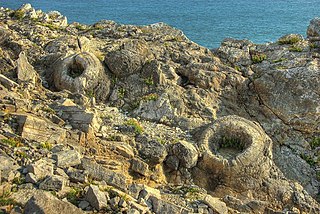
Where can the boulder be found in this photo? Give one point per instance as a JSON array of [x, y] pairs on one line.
[[53, 183], [82, 73], [140, 167], [25, 71], [152, 151], [7, 165], [67, 158], [98, 172], [216, 205], [45, 202], [185, 153], [40, 130], [96, 198], [41, 169], [314, 28], [128, 59]]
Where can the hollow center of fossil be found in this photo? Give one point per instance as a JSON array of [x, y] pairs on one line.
[[75, 69], [230, 147]]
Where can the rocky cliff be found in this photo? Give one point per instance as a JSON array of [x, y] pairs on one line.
[[116, 118]]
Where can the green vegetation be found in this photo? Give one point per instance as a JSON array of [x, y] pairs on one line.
[[151, 97], [48, 110], [80, 27], [281, 67], [90, 93], [135, 124], [312, 45], [5, 200], [12, 142], [149, 81], [46, 145], [295, 48], [19, 180], [237, 68], [279, 60], [18, 14], [315, 142], [74, 195], [227, 142], [50, 26], [21, 154], [308, 159], [290, 40], [121, 93], [257, 58]]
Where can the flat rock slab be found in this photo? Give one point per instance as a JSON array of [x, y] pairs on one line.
[[67, 158], [98, 172], [36, 129], [46, 203]]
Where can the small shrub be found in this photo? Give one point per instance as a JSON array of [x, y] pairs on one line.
[[12, 142], [257, 58], [290, 40], [6, 201], [227, 142], [237, 68], [48, 110], [46, 145], [151, 97], [312, 45], [121, 93], [315, 142], [279, 60], [308, 159], [74, 195], [18, 14], [149, 81], [295, 48], [135, 124], [90, 93], [19, 180]]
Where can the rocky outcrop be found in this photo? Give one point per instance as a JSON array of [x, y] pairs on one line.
[[82, 73], [139, 119], [237, 152]]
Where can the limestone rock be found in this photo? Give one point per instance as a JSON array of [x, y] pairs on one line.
[[98, 172], [8, 83], [76, 175], [31, 178], [39, 204], [33, 128], [25, 71], [314, 28], [139, 167], [216, 205], [152, 151], [82, 73], [7, 165], [53, 183], [41, 169], [129, 59], [67, 158], [96, 198], [79, 117], [185, 152], [234, 149]]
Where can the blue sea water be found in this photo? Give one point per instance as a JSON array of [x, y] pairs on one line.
[[206, 22]]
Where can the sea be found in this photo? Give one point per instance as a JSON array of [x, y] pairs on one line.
[[206, 22]]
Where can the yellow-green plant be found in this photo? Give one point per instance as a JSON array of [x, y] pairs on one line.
[[135, 124]]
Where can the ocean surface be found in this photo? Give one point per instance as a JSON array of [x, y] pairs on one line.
[[206, 22]]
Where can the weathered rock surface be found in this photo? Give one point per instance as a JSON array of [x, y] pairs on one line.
[[96, 198], [162, 124], [82, 73], [39, 204], [67, 158]]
